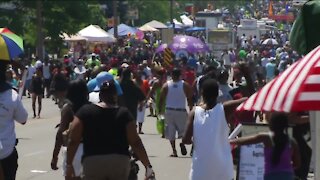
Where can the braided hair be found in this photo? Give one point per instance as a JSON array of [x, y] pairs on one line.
[[279, 126]]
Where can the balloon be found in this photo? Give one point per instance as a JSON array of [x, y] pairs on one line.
[[139, 35]]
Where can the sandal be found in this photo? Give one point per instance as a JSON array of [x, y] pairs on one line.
[[183, 149]]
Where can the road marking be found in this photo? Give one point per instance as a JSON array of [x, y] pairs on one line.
[[34, 153], [38, 171]]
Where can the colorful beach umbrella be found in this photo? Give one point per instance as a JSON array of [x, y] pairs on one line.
[[188, 43], [11, 45]]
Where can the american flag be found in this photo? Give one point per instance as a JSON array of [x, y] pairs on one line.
[[296, 89]]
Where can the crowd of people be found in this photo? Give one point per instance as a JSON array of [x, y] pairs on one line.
[[194, 98], [92, 89]]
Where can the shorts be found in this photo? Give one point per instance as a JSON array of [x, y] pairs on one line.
[[279, 176], [76, 161], [140, 114], [112, 166], [10, 165], [175, 121]]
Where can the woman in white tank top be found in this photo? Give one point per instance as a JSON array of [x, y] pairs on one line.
[[208, 130]]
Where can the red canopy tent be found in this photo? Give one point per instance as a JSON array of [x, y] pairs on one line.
[[296, 89]]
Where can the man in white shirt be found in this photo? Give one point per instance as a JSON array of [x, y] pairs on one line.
[[80, 70], [11, 110], [31, 70], [226, 60], [146, 70], [46, 69], [254, 41], [174, 94]]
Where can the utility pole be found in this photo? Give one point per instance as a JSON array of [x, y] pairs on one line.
[[40, 44], [171, 14], [115, 18]]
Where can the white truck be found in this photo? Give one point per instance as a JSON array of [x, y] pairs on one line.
[[221, 39]]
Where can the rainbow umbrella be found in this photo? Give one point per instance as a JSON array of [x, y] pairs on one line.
[[11, 45]]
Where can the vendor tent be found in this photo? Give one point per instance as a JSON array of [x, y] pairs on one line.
[[176, 22], [156, 24], [176, 26], [123, 30], [147, 28], [94, 33], [75, 37], [186, 21]]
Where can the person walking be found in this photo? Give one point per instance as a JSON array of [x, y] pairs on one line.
[[76, 97], [154, 94], [46, 69], [37, 90], [145, 88], [30, 72], [11, 110], [208, 131], [59, 84], [174, 93], [281, 153], [106, 140], [132, 94]]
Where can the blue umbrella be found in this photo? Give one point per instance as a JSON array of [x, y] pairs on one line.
[[123, 30], [195, 29]]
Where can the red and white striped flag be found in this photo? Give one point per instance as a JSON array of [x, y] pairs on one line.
[[296, 89]]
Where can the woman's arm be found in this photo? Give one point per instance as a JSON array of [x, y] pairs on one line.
[[230, 107], [187, 138], [136, 143], [75, 137], [66, 119], [255, 139], [152, 90], [296, 159]]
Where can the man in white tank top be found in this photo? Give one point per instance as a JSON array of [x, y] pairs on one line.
[[175, 93]]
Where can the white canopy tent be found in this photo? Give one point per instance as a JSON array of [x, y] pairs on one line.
[[156, 24], [94, 33], [147, 28], [75, 37], [176, 22], [186, 21]]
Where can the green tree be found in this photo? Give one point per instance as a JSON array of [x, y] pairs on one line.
[[58, 17]]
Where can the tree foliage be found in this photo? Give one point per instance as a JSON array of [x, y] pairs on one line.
[[57, 16]]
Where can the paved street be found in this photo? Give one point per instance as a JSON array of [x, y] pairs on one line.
[[36, 140]]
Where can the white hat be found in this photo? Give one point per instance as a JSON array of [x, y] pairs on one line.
[[124, 65]]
